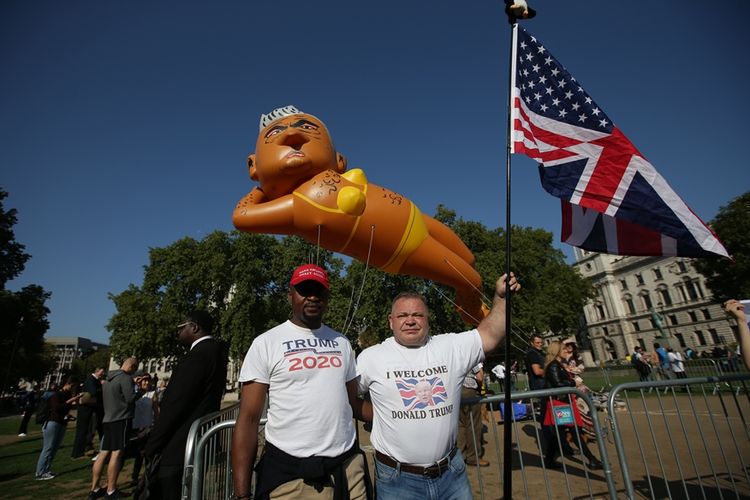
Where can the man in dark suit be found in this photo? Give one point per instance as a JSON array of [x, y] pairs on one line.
[[195, 389], [88, 417]]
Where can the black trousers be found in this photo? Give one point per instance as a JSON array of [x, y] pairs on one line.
[[83, 424], [169, 482]]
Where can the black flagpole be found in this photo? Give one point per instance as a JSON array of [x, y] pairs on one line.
[[507, 405], [514, 10]]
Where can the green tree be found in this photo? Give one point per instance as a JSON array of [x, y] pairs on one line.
[[23, 314], [730, 280]]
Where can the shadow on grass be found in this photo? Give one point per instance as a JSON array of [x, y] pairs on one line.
[[10, 477]]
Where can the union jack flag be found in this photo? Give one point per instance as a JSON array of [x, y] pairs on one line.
[[421, 393], [613, 200]]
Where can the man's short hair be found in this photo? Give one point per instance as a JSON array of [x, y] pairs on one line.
[[202, 319], [535, 336], [409, 295]]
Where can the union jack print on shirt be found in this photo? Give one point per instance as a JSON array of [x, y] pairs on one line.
[[421, 393], [614, 201]]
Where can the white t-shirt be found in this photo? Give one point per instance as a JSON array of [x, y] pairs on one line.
[[144, 411], [416, 394], [499, 371], [675, 359], [306, 370]]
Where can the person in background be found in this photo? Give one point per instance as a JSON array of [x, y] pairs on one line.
[[30, 402], [469, 421], [195, 389], [675, 361], [86, 418], [146, 410], [53, 430], [735, 309], [556, 376], [119, 404]]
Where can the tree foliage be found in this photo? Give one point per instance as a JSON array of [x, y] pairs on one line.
[[23, 314], [730, 280]]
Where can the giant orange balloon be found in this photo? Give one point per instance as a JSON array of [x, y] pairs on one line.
[[305, 190]]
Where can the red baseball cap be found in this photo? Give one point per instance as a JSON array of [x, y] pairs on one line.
[[309, 272]]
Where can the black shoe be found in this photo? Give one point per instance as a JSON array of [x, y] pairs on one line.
[[94, 494], [115, 495]]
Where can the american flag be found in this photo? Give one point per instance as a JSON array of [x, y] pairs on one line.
[[433, 387], [613, 200]]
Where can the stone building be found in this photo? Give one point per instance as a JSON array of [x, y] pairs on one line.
[[67, 349], [642, 300]]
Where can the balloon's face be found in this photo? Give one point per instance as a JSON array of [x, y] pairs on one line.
[[290, 151]]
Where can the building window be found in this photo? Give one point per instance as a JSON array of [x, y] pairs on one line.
[[641, 343], [647, 300], [693, 290], [682, 267], [706, 314], [624, 284], [664, 296], [699, 336], [636, 326], [680, 339], [672, 319], [605, 331], [600, 311], [693, 316], [681, 289], [657, 273], [631, 306], [639, 279], [715, 338]]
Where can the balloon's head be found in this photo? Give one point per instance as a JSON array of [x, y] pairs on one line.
[[292, 148]]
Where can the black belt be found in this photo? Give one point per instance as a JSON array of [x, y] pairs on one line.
[[435, 470]]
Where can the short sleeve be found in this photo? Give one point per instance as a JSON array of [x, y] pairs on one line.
[[255, 366], [363, 382]]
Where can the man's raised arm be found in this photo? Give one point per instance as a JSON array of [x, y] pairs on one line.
[[492, 327]]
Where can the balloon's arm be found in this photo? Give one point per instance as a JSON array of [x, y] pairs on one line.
[[255, 214]]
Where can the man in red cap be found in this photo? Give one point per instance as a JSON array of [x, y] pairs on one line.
[[308, 371]]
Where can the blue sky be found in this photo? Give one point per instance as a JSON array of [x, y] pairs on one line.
[[126, 125]]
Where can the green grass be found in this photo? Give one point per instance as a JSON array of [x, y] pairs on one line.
[[18, 457]]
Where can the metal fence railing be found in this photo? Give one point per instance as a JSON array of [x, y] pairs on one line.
[[688, 440], [207, 456], [676, 438]]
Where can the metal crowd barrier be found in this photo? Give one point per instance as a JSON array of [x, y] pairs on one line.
[[207, 455], [532, 478], [676, 438], [688, 441]]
